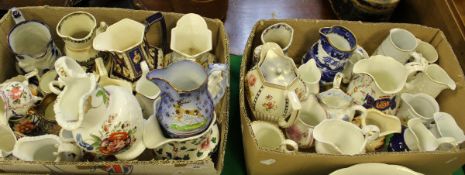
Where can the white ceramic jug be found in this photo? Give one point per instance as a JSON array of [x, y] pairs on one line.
[[46, 148], [419, 138], [334, 136], [432, 81], [419, 105], [378, 81], [310, 75]]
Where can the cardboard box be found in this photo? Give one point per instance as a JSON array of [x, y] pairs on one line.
[[369, 36], [51, 16]]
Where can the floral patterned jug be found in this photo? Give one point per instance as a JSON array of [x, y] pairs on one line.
[[274, 87]]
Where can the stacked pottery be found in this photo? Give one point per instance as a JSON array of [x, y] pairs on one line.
[[79, 106], [385, 102]]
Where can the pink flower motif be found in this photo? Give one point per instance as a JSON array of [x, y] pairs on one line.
[[205, 144], [251, 80], [294, 133], [16, 93]]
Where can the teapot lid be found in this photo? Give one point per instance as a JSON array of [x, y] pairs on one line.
[[278, 69]]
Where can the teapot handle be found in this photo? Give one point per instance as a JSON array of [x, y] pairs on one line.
[[217, 85], [295, 105], [158, 17]]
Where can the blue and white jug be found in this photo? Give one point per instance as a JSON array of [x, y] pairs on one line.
[[332, 51], [188, 96]]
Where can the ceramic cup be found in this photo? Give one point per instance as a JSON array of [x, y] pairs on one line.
[[269, 136], [419, 105], [310, 75], [32, 44], [419, 138], [311, 115], [334, 136], [399, 44], [45, 148]]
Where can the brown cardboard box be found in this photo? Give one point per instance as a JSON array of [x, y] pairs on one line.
[[51, 16], [369, 36]]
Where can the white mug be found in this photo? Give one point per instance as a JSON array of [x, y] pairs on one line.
[[270, 136], [32, 44], [399, 44]]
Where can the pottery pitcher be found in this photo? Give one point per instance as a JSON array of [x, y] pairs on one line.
[[186, 104]]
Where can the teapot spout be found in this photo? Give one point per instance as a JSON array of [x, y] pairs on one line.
[[218, 81]]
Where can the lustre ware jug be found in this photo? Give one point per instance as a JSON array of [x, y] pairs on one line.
[[187, 102]]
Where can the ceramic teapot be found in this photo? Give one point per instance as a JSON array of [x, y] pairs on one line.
[[187, 103], [274, 87], [338, 104], [378, 81], [126, 42]]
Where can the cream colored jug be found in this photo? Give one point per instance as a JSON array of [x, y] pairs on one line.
[[378, 81], [432, 81]]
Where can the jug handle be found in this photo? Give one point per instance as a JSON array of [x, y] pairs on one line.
[[371, 133], [295, 106], [100, 67], [447, 144], [157, 17], [337, 80], [222, 83], [53, 86], [289, 146], [17, 15]]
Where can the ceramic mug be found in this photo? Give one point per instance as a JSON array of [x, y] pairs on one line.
[[269, 136], [32, 44], [46, 148], [399, 44], [419, 105], [310, 116]]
